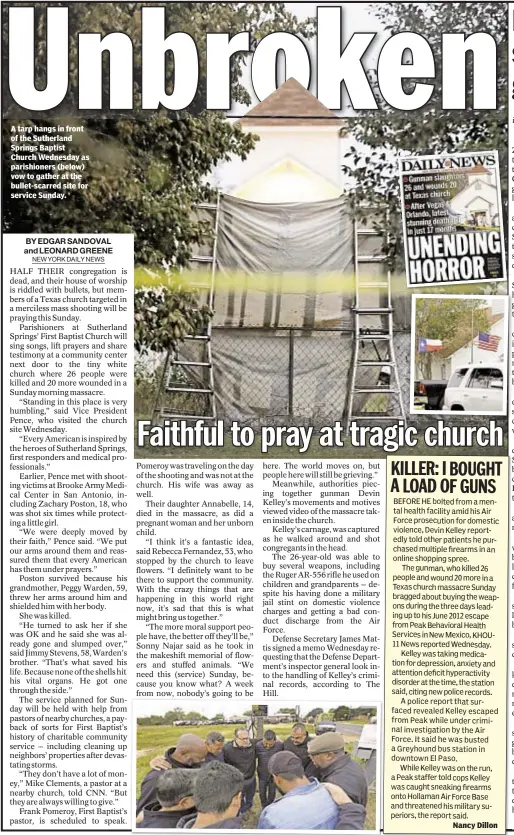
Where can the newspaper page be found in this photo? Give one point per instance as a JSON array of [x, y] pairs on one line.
[[452, 233], [256, 417]]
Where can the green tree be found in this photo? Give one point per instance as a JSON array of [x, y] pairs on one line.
[[373, 166], [361, 711], [195, 716], [146, 171], [454, 321], [150, 720], [313, 714], [341, 713], [172, 716], [165, 315]]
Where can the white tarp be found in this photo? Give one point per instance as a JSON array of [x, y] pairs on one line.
[[289, 264]]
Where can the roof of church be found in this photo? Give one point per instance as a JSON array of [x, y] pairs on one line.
[[478, 169], [291, 103]]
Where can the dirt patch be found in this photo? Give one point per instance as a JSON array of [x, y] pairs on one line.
[[144, 752]]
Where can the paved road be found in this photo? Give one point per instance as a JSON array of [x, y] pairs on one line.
[[349, 728]]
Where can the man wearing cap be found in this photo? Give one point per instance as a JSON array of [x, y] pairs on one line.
[[306, 804], [333, 765]]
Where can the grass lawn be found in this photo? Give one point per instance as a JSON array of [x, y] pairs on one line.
[[156, 739]]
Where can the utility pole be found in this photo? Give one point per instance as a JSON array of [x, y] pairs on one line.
[[259, 727], [259, 712]]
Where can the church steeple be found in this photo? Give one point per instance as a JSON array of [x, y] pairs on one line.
[[291, 103]]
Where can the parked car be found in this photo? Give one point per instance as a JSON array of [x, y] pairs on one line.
[[475, 388], [325, 727], [429, 393]]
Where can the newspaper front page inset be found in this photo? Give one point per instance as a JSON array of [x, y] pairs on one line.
[[239, 244], [452, 219]]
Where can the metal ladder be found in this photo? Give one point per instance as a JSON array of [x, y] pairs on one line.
[[174, 363], [388, 383]]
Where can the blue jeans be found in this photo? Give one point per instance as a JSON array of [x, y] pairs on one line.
[[249, 789]]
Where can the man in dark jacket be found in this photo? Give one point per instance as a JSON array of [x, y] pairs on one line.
[[217, 797], [334, 766], [265, 748], [190, 752], [297, 744], [242, 755], [174, 791]]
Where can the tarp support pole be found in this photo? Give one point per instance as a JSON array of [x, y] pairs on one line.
[[290, 386]]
